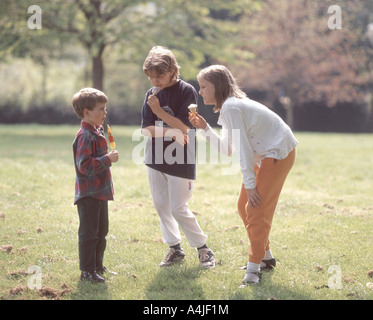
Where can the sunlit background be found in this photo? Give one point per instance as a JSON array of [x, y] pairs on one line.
[[309, 61]]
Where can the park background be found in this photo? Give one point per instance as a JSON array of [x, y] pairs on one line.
[[285, 53], [309, 62]]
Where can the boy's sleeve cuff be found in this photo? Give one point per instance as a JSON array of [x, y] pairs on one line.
[[107, 161]]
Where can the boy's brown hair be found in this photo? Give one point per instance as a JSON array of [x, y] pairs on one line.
[[87, 98], [161, 60]]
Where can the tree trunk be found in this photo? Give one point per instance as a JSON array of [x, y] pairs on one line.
[[44, 83], [98, 69]]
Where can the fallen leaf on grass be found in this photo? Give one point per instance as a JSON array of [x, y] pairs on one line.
[[23, 249], [17, 290], [348, 280], [232, 228], [319, 268], [6, 248], [48, 292], [354, 295], [51, 292], [17, 273], [321, 287]]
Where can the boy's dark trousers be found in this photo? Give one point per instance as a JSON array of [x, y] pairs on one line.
[[93, 228]]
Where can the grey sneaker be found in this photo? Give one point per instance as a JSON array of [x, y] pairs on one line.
[[172, 256], [251, 278], [206, 258]]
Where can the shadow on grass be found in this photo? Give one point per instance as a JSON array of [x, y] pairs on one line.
[[176, 282], [87, 290], [267, 290]]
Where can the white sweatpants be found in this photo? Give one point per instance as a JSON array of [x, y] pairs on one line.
[[170, 197]]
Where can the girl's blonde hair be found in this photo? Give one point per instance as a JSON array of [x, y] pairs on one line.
[[225, 84], [161, 60]]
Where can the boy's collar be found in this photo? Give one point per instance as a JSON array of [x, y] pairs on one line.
[[172, 84], [88, 126]]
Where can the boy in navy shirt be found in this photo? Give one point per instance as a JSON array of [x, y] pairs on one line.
[[170, 155]]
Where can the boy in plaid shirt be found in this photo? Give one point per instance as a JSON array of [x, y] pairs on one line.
[[93, 183]]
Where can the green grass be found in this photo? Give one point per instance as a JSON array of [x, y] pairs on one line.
[[324, 219]]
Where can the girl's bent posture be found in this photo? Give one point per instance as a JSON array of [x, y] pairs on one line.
[[266, 151]]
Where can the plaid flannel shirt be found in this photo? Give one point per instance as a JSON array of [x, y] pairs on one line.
[[92, 164]]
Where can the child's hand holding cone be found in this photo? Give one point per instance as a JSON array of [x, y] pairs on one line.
[[197, 120]]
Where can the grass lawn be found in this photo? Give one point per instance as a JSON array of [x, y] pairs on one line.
[[321, 236]]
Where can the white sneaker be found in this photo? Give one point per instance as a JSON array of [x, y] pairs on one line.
[[206, 258]]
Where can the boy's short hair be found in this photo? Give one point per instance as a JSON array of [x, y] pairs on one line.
[[87, 98], [161, 60]]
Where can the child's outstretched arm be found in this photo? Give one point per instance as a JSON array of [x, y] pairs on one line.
[[222, 143]]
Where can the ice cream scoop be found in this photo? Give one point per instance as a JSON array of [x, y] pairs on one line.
[[193, 108], [155, 90]]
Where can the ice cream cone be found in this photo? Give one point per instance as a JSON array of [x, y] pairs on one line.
[[193, 108]]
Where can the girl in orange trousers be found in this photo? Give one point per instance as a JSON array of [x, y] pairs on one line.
[[266, 150]]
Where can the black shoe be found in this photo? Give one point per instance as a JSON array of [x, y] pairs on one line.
[[94, 277], [103, 270], [268, 264]]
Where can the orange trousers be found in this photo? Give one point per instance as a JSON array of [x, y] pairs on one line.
[[269, 180]]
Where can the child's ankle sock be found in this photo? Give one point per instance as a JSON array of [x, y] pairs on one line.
[[252, 274], [268, 255], [203, 247], [253, 267], [176, 246]]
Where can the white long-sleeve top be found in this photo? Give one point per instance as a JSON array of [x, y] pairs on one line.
[[254, 132]]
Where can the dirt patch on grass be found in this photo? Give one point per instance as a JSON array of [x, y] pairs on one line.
[[44, 292], [49, 292]]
